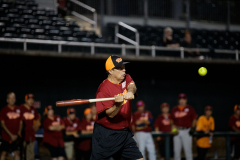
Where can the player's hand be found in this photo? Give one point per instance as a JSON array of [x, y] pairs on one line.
[[35, 127], [75, 134], [128, 96], [119, 98], [158, 138], [13, 137], [206, 132]]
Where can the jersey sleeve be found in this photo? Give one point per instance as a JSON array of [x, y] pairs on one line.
[[3, 115], [46, 124], [231, 122], [193, 114], [129, 80], [157, 122], [61, 121], [135, 118], [36, 114], [101, 106]]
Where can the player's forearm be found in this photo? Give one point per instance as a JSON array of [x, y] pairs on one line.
[[132, 88], [113, 111], [156, 129], [194, 123], [70, 133], [6, 129], [20, 127], [235, 129], [87, 132]]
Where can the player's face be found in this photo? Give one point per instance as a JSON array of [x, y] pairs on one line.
[[11, 99], [165, 110], [93, 110], [188, 38], [88, 116], [237, 112], [208, 113], [50, 112], [119, 72], [141, 108], [182, 102], [72, 116], [30, 101], [168, 33]]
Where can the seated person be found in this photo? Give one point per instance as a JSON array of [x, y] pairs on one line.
[[188, 43], [168, 40]]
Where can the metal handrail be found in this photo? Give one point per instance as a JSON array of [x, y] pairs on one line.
[[94, 21], [118, 35], [123, 47]]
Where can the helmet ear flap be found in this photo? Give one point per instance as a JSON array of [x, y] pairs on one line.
[[235, 107], [68, 111], [46, 110]]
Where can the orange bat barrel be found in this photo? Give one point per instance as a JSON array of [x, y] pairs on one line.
[[72, 102]]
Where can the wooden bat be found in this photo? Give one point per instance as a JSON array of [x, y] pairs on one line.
[[81, 101]]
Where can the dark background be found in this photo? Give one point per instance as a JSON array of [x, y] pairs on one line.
[[53, 79]]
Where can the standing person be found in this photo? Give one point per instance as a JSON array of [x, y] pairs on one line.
[[52, 136], [93, 111], [184, 118], [234, 126], [205, 124], [11, 127], [163, 124], [72, 124], [142, 121], [112, 136], [31, 121], [84, 148]]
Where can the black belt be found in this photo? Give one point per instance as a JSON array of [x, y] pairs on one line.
[[183, 128]]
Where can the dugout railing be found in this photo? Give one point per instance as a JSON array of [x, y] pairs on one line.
[[167, 137], [123, 47]]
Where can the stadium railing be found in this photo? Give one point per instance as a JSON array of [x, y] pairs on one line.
[[81, 16], [118, 35], [123, 47]]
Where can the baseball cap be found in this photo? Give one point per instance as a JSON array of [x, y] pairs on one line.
[[86, 111], [49, 107], [182, 96], [236, 107], [28, 96], [114, 61], [140, 103], [164, 105], [71, 111], [208, 108]]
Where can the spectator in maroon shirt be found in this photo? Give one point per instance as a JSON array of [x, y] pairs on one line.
[[142, 121], [234, 126], [72, 125], [52, 136], [11, 127], [31, 121], [84, 147], [163, 124]]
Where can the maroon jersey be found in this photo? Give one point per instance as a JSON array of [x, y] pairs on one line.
[[163, 123], [108, 89], [183, 116], [234, 122], [11, 118], [71, 126], [28, 117], [54, 138], [85, 145], [139, 116]]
